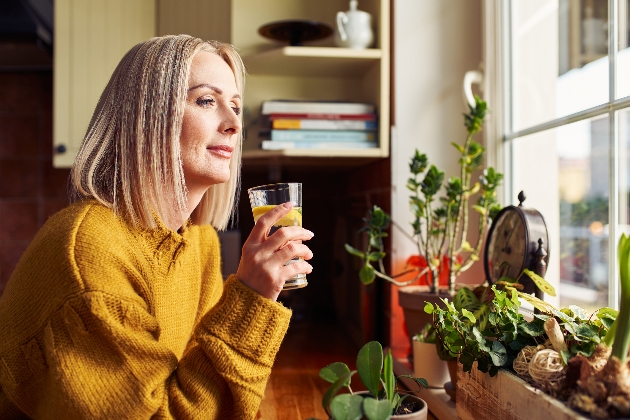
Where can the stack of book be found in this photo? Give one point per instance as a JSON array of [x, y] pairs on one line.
[[318, 125]]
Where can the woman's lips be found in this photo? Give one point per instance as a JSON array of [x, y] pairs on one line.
[[222, 150]]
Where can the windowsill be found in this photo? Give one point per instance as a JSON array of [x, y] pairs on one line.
[[440, 404]]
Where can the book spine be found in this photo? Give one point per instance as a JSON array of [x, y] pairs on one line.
[[307, 124], [283, 145], [322, 135], [271, 107], [303, 116]]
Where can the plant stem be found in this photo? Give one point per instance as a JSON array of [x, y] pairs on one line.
[[463, 200], [398, 283], [622, 336], [470, 260], [462, 212], [429, 252]]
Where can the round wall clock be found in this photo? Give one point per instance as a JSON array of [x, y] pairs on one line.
[[518, 239]]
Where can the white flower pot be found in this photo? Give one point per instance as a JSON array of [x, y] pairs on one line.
[[427, 365]]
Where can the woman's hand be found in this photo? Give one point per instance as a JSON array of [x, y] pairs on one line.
[[262, 261]]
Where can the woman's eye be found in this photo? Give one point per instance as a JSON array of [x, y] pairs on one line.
[[205, 102], [236, 110]]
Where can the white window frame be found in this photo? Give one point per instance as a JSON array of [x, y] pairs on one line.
[[499, 133]]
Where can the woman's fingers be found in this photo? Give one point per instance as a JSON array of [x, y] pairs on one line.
[[267, 220], [290, 251], [294, 268], [288, 234]]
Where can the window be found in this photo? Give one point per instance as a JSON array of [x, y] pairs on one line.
[[563, 87]]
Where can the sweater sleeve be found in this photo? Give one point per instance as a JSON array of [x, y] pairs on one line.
[[99, 357]]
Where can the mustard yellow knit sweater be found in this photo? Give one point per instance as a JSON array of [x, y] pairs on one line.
[[104, 321]]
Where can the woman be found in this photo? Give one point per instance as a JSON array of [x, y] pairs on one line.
[[118, 309]]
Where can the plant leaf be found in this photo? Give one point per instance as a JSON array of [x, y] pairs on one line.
[[370, 365], [346, 407], [475, 188], [388, 377], [538, 304], [334, 388], [375, 256], [465, 298], [458, 147], [377, 410], [532, 329], [469, 315], [540, 282], [334, 371], [420, 381], [578, 312], [354, 251], [607, 313], [465, 246], [366, 274], [479, 209], [498, 354]]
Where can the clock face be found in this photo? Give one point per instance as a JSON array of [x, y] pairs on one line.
[[507, 246]]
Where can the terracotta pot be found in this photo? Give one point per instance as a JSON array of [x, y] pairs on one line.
[[413, 299], [427, 364]]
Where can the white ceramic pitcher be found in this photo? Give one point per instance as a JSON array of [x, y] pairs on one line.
[[354, 28]]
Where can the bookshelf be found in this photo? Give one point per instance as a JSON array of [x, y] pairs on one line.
[[314, 72]]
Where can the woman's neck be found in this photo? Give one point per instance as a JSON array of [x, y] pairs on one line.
[[193, 198]]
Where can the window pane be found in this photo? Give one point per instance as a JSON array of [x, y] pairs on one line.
[[623, 55], [559, 59], [565, 175], [623, 118]]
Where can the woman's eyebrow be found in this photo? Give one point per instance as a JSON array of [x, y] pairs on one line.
[[214, 88]]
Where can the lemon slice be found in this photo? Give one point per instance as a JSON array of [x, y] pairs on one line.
[[260, 210], [293, 218]]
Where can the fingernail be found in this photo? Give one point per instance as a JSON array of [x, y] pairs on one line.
[[309, 233], [287, 205]]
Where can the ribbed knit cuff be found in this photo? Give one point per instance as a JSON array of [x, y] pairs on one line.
[[248, 322]]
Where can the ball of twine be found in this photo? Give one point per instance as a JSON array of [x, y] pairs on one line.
[[546, 366], [521, 363]]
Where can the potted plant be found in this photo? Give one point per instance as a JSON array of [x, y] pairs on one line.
[[433, 369], [440, 226], [575, 358], [383, 399]]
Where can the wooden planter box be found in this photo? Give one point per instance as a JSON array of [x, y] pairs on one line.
[[505, 396]]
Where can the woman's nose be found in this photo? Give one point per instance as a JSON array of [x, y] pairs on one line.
[[231, 123]]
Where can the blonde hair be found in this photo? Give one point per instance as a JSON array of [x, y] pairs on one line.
[[130, 157]]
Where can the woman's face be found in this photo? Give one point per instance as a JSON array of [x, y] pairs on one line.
[[211, 124]]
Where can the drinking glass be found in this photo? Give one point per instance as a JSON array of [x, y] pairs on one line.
[[265, 198]]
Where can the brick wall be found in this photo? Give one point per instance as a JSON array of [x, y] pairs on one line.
[[30, 188]]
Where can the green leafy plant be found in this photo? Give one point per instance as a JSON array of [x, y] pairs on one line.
[[376, 372], [441, 215], [582, 333], [492, 341], [494, 338]]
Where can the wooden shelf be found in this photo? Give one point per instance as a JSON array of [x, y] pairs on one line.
[[313, 61], [303, 157]]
